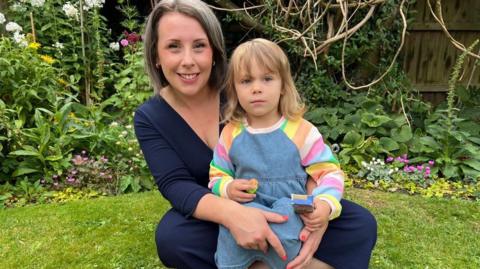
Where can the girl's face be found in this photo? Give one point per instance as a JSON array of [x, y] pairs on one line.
[[258, 91], [184, 53]]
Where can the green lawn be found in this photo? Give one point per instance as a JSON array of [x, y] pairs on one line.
[[117, 232]]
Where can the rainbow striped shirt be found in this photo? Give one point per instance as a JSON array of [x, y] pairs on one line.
[[315, 157]]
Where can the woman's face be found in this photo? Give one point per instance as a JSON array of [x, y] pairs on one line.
[[184, 53]]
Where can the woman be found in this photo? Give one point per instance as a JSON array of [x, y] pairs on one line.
[[177, 130]]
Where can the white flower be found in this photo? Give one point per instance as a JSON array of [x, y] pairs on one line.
[[114, 124], [89, 4], [13, 27], [70, 10], [37, 3], [124, 133], [20, 39], [2, 18], [364, 164], [115, 46], [128, 126], [58, 45]]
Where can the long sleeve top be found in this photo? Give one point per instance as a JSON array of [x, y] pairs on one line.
[[178, 159], [299, 138]]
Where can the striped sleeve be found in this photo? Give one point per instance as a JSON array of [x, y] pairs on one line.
[[221, 168], [321, 165]]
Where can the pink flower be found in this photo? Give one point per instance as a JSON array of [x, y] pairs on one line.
[[389, 159], [124, 42], [132, 37], [431, 162], [78, 160]]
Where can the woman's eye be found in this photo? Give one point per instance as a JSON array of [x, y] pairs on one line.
[[173, 46], [199, 46]]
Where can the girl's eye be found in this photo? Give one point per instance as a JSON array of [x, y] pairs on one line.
[[244, 81], [268, 78]]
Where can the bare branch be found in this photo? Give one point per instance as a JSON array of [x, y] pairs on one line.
[[439, 19]]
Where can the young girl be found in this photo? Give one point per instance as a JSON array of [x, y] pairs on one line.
[[267, 139]]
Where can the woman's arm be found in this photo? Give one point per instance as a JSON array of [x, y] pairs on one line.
[[173, 179]]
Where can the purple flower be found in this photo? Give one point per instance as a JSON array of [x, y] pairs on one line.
[[431, 162], [419, 167], [389, 159], [124, 42]]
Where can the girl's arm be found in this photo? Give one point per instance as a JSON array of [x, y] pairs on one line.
[[322, 166]]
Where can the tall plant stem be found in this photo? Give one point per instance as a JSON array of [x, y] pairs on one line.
[[88, 101], [33, 27]]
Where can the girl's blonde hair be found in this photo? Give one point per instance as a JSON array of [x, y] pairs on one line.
[[270, 56]]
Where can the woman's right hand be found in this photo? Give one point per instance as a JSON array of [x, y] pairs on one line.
[[250, 229]]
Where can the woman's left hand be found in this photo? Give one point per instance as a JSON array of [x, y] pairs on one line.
[[309, 248]]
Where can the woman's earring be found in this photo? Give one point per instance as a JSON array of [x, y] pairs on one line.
[[157, 66], [213, 63]]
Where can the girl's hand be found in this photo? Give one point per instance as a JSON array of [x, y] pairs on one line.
[[317, 219], [250, 229], [309, 247], [237, 190]]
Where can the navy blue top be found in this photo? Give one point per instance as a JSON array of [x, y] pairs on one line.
[[178, 159]]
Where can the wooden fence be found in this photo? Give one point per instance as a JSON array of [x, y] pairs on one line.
[[429, 56]]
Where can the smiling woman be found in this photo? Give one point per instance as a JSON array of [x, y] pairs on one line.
[[184, 54]]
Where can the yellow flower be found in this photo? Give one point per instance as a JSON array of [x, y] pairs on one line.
[[63, 82], [34, 45], [47, 59]]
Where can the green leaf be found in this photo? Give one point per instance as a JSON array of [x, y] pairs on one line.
[[24, 153], [475, 164], [352, 139], [402, 136], [54, 158], [388, 144], [428, 141], [23, 171], [125, 182], [467, 171], [373, 120], [450, 171]]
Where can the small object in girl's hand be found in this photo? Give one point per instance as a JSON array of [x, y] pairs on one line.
[[302, 203], [254, 189]]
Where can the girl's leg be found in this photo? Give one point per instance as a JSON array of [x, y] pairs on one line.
[[349, 240], [259, 265], [186, 243]]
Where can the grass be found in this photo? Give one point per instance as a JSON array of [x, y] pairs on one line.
[[117, 232]]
